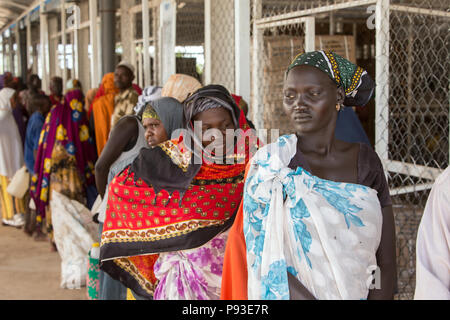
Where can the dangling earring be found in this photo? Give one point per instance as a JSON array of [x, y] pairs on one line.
[[338, 107]]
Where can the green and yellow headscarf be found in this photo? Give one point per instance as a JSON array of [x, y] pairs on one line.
[[150, 113], [355, 81]]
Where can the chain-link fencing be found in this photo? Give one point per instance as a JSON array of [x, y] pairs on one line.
[[418, 119], [190, 35]]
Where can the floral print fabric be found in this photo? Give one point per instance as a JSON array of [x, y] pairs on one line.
[[66, 154], [194, 274], [325, 233]]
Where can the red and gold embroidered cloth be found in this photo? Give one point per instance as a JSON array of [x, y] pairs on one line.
[[139, 223]]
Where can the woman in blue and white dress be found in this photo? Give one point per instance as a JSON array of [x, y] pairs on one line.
[[316, 218]]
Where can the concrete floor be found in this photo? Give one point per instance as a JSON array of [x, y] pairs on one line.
[[29, 270]]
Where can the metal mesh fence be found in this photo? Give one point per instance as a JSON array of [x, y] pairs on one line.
[[418, 122], [442, 5], [190, 35], [223, 44], [280, 46], [407, 122]]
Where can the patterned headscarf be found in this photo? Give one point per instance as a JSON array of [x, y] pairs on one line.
[[355, 81], [150, 93], [149, 113]]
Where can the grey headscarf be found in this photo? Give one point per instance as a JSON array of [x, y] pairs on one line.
[[169, 111]]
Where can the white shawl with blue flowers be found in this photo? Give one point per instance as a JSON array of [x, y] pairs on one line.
[[325, 233]]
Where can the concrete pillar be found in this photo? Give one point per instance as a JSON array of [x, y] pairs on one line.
[[107, 11], [126, 30]]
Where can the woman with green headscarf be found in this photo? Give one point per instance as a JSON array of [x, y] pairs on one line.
[[316, 217]]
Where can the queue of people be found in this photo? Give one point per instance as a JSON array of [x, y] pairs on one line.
[[193, 205]]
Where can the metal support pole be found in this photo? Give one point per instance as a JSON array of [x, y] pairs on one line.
[[207, 71], [44, 46], [332, 24], [382, 79], [11, 52], [146, 43], [140, 74], [156, 41], [64, 39], [242, 47], [1, 55], [167, 32], [18, 71], [28, 45], [5, 54], [310, 34], [22, 52], [108, 31], [257, 75], [95, 77], [76, 42]]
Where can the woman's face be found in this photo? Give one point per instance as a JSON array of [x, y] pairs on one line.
[[155, 133], [310, 98], [219, 119]]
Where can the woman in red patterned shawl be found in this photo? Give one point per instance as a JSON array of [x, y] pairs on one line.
[[169, 212]]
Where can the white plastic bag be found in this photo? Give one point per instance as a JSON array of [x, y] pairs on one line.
[[74, 232], [19, 183]]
